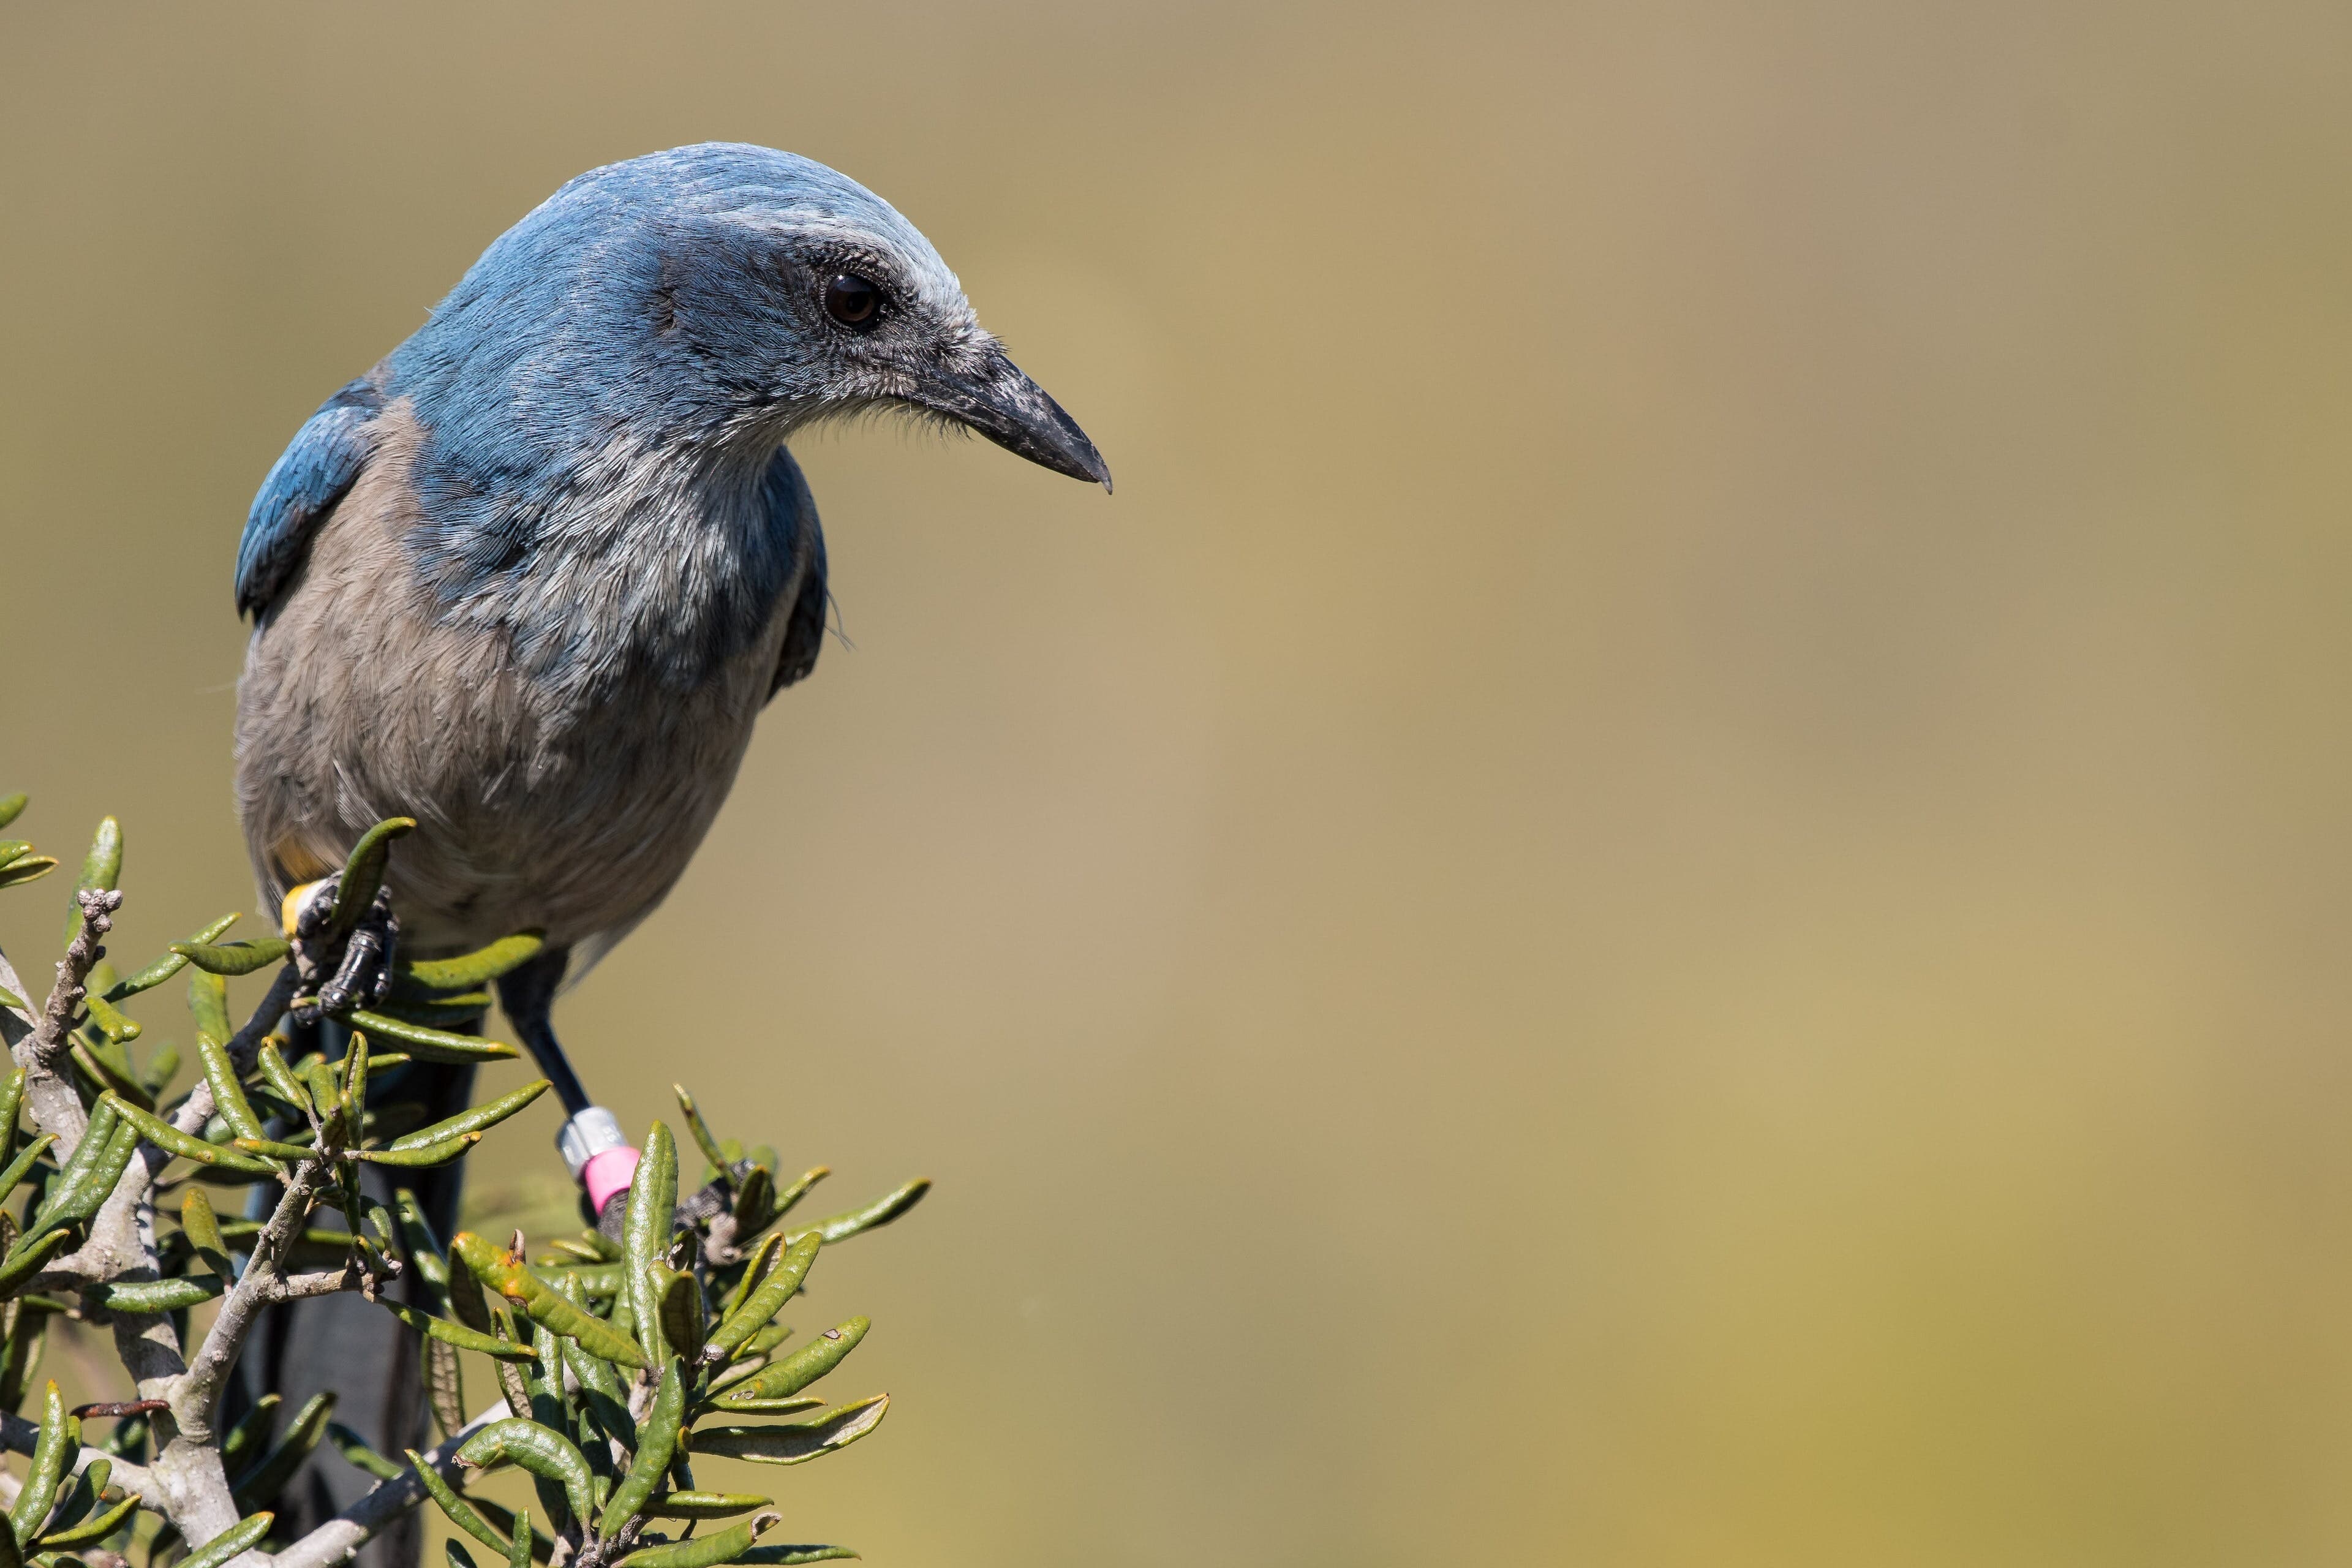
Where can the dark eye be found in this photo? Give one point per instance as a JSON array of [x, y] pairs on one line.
[[854, 301]]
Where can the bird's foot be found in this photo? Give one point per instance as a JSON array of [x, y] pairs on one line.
[[342, 971]]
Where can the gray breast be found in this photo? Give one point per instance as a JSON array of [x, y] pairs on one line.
[[564, 795]]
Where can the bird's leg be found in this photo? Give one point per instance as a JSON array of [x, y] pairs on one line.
[[590, 1141], [338, 975]]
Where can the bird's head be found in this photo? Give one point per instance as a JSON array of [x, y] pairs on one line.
[[735, 293]]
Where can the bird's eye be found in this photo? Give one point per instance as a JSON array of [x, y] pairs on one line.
[[854, 301]]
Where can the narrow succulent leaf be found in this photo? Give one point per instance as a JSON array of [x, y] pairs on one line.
[[455, 1018], [84, 1184], [454, 1552], [80, 1498], [756, 1269], [29, 1258], [481, 1119], [88, 1155], [454, 1334], [518, 1526], [228, 1094], [679, 1300], [234, 958], [794, 1442], [431, 1044], [597, 1282], [15, 1170], [267, 1479], [12, 1102], [236, 1540], [244, 1443], [784, 1556], [705, 1505], [270, 1147], [444, 1385], [657, 1445], [208, 1006], [543, 1452], [354, 1074], [552, 1405], [601, 1390], [325, 1087], [460, 1511], [51, 1454], [501, 1271], [439, 1153], [27, 869], [10, 999], [518, 1541], [700, 1130], [791, 1406], [786, 1377], [645, 1231], [162, 1066], [94, 1529], [13, 806], [110, 1021], [101, 1061], [356, 1452], [417, 1240], [704, 1550], [101, 867], [755, 1201], [363, 873], [202, 1229], [281, 1076], [466, 1301], [155, 1295], [476, 968], [168, 965], [767, 1300], [170, 1138], [879, 1213]]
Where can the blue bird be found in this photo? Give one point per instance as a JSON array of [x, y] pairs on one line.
[[531, 579]]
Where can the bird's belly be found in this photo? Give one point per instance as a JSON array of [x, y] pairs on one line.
[[559, 806]]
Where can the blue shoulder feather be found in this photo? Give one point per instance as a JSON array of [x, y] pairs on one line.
[[312, 474]]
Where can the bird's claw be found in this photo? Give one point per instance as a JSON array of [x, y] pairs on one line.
[[337, 976]]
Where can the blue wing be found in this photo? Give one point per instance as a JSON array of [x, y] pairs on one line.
[[792, 511], [311, 475]]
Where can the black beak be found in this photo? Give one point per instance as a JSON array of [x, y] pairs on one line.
[[1013, 411]]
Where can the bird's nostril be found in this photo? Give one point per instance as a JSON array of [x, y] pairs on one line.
[[852, 300]]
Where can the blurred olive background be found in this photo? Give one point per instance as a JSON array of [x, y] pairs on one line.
[[1668, 886]]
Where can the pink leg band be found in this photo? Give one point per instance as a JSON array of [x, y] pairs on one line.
[[606, 1173]]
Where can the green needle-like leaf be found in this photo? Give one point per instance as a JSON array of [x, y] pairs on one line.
[[704, 1550], [168, 965], [27, 869], [431, 1044], [355, 1450], [794, 1442], [234, 958], [477, 968], [363, 873], [874, 1215], [479, 1118], [267, 1478], [234, 1541], [455, 1334]]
